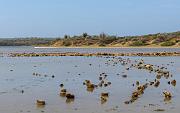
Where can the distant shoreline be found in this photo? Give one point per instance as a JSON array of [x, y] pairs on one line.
[[46, 47]]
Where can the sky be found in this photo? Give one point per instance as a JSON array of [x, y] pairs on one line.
[[55, 18]]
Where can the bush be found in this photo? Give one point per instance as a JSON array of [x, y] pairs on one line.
[[102, 45], [159, 39], [66, 43], [168, 43], [138, 43], [107, 40]]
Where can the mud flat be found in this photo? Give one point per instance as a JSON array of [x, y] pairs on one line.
[[99, 84], [103, 83], [94, 54]]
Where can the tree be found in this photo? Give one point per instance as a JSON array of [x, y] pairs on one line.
[[66, 36], [84, 35], [102, 36]]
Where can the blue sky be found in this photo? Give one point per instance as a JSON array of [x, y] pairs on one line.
[[53, 18]]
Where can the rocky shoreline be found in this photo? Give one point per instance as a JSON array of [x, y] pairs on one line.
[[94, 54]]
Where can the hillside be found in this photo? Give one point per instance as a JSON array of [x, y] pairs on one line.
[[24, 41], [103, 40]]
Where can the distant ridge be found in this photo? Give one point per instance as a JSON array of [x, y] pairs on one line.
[[102, 40]]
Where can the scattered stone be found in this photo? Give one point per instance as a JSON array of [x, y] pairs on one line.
[[61, 85], [159, 110], [167, 95], [100, 78], [124, 76], [40, 102], [157, 84], [173, 82], [105, 94], [137, 83], [22, 91], [70, 96], [63, 92], [169, 82]]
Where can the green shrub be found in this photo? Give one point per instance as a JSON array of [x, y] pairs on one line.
[[66, 43], [168, 43], [102, 45], [138, 43]]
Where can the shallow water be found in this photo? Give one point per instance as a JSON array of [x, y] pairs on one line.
[[21, 49], [16, 74]]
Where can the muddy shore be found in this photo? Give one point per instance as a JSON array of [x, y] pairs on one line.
[[93, 54]]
